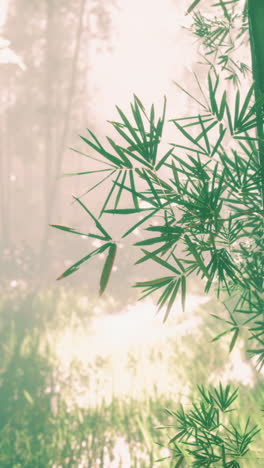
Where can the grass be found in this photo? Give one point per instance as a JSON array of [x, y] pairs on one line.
[[84, 386]]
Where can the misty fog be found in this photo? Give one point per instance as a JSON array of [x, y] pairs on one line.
[[64, 68]]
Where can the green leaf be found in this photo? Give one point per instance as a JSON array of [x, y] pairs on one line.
[[92, 157], [121, 188], [189, 137], [127, 211], [73, 231], [192, 6], [141, 221], [219, 141], [110, 157], [97, 223], [107, 268], [76, 265], [160, 261], [163, 160], [234, 339], [190, 95], [110, 193], [212, 91], [156, 282], [152, 240], [197, 257], [133, 190], [204, 134], [172, 300]]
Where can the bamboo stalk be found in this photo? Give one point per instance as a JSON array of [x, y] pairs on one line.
[[256, 24]]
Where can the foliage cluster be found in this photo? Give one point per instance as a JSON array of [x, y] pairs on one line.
[[201, 204]]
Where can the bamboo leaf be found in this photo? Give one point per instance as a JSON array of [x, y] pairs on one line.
[[127, 211], [73, 231], [172, 299], [133, 190], [107, 268], [141, 221], [152, 240], [110, 157], [76, 265], [97, 223], [161, 262], [196, 255], [189, 137], [156, 282]]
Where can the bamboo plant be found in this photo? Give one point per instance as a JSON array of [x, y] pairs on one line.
[[205, 218]]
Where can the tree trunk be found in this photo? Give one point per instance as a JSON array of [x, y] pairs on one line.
[[256, 22]]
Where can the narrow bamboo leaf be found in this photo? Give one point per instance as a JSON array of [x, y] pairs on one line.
[[187, 148], [192, 6], [189, 137], [76, 265], [130, 127], [196, 255], [121, 188], [70, 174], [222, 106], [110, 157], [133, 190], [140, 195], [132, 154], [140, 124], [161, 250], [204, 133], [190, 95], [95, 138], [172, 300], [98, 225], [127, 211], [246, 105], [234, 339], [166, 229], [207, 129], [107, 268], [237, 105], [160, 181], [161, 262], [151, 186], [120, 152], [229, 118], [118, 127], [110, 194], [156, 282], [91, 157], [73, 231], [219, 141], [163, 160], [152, 240], [212, 96], [216, 338], [137, 100], [165, 295], [65, 228], [97, 184], [258, 103], [141, 221]]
